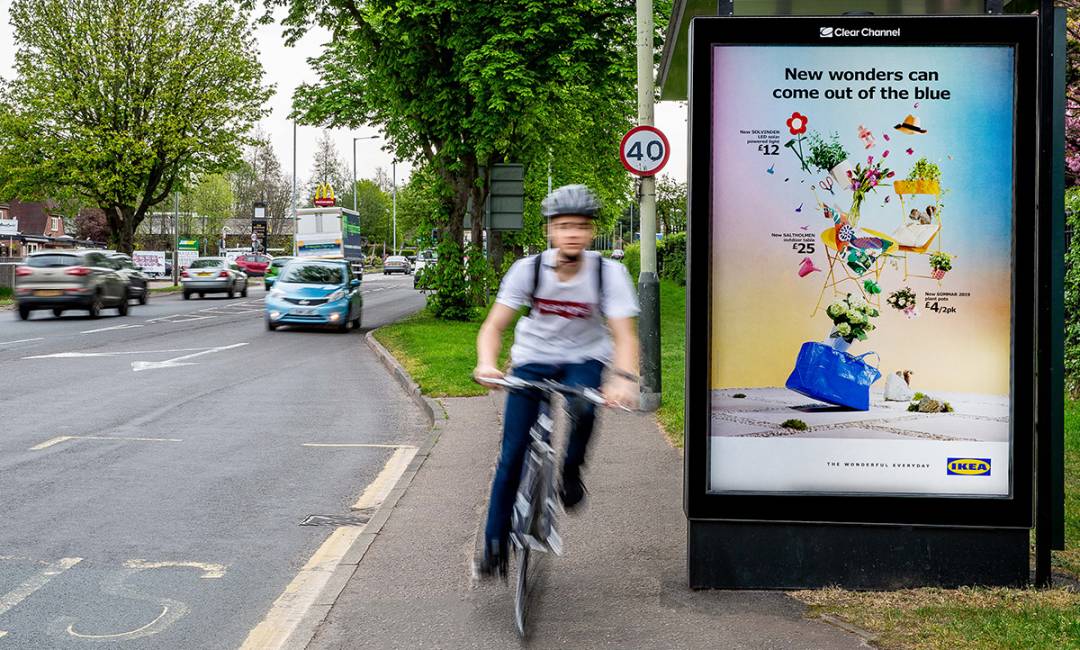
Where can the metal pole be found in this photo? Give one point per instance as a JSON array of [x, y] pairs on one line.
[[354, 174], [549, 171], [295, 223], [393, 167], [648, 284], [176, 238]]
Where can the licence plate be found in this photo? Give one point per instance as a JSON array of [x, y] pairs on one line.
[[303, 312], [48, 292], [204, 275]]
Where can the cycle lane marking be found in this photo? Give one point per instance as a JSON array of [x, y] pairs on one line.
[[59, 439], [35, 582], [303, 592]]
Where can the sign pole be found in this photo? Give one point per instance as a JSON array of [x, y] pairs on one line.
[[648, 284], [176, 239], [294, 218]]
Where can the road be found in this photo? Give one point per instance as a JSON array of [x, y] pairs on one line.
[[155, 469]]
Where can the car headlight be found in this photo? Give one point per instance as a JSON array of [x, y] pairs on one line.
[[337, 295]]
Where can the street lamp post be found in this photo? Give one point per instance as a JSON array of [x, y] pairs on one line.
[[393, 167], [296, 224]]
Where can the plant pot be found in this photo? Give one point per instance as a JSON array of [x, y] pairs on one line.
[[837, 342], [839, 173], [920, 186], [937, 274]]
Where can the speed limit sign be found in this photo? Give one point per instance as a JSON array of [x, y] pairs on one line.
[[644, 150]]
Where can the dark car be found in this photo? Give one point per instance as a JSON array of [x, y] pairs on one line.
[[138, 282], [70, 279]]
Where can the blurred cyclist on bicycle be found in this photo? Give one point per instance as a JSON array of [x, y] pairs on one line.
[[570, 292]]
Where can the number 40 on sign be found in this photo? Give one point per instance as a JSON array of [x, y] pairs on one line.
[[644, 151]]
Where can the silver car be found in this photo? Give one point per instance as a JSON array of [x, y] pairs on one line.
[[70, 279], [213, 275], [137, 281]]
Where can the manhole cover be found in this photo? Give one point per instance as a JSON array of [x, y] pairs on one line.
[[335, 520]]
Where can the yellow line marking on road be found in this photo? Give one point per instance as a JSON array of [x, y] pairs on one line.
[[209, 570], [72, 632], [35, 582], [57, 440], [380, 488], [293, 604], [355, 444]]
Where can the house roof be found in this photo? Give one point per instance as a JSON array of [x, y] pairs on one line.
[[33, 217]]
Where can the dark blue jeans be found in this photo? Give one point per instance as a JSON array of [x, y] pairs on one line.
[[522, 409]]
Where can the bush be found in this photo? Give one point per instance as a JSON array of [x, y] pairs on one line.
[[671, 258], [1072, 293], [451, 297], [632, 261]]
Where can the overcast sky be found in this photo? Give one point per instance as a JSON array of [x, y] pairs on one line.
[[287, 68]]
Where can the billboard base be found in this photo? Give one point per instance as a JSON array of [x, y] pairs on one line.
[[736, 555]]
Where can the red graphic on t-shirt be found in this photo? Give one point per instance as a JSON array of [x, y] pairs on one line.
[[564, 309]]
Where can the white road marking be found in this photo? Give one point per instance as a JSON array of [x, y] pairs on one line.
[[109, 329], [355, 444], [375, 493], [35, 582], [122, 635], [138, 366], [40, 338], [209, 570], [82, 355], [290, 607], [173, 318], [57, 440]]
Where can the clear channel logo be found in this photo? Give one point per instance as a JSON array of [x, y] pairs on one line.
[[826, 32], [968, 467], [844, 32]]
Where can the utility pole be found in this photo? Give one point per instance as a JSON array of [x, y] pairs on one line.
[[295, 223], [648, 284], [393, 168], [176, 238]]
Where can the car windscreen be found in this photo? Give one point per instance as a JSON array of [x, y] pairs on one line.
[[207, 264], [313, 274], [44, 261], [281, 261]]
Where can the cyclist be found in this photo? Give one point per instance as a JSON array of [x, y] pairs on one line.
[[570, 291]]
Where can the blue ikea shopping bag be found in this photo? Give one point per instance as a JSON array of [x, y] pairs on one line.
[[829, 375]]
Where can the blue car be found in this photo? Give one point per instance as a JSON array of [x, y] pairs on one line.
[[315, 292]]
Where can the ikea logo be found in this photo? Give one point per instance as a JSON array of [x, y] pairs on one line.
[[969, 467]]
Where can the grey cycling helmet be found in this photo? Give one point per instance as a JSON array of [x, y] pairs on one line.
[[570, 199]]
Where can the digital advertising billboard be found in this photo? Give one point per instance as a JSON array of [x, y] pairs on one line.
[[862, 234]]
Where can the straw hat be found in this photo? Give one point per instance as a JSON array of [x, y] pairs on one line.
[[910, 125]]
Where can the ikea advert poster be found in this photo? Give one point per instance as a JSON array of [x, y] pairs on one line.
[[862, 219]]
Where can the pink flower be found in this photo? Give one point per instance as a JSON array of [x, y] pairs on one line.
[[910, 151], [849, 173], [873, 182], [869, 160], [890, 174], [885, 154]]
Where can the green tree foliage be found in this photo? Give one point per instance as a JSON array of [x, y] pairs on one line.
[[670, 204], [671, 257], [205, 208], [373, 204], [122, 101]]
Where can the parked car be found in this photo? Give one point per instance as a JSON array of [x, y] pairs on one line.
[[70, 279], [137, 280], [424, 260], [213, 275], [396, 264], [272, 271], [315, 292], [253, 264]]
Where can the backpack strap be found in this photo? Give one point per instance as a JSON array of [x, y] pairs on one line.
[[600, 283], [537, 266]]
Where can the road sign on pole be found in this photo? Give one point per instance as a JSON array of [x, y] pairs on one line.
[[644, 150]]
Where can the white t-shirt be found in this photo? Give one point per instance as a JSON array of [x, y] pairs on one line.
[[565, 324]]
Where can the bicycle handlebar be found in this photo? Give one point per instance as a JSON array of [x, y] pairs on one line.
[[511, 382]]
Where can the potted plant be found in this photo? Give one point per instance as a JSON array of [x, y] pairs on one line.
[[925, 178], [851, 320], [864, 180], [904, 300], [940, 264], [829, 156]]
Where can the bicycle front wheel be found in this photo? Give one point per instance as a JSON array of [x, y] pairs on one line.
[[521, 599]]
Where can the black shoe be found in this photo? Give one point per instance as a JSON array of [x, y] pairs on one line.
[[571, 492], [492, 562]]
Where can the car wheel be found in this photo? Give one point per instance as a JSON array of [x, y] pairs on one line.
[[24, 312], [144, 297], [187, 295], [243, 292], [202, 295], [232, 290], [58, 312], [270, 325], [124, 307], [95, 306]]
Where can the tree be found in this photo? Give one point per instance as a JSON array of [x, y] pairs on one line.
[[206, 207], [121, 102], [670, 204], [259, 178], [91, 224], [329, 167], [373, 204]]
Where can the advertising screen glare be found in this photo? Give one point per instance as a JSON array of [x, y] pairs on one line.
[[862, 230]]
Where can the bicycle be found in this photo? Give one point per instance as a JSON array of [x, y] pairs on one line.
[[533, 519]]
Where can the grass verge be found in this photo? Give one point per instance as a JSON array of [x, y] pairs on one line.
[[170, 289], [440, 355], [672, 359], [7, 296]]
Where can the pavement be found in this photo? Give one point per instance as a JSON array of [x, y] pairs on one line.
[[155, 469], [620, 584]]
